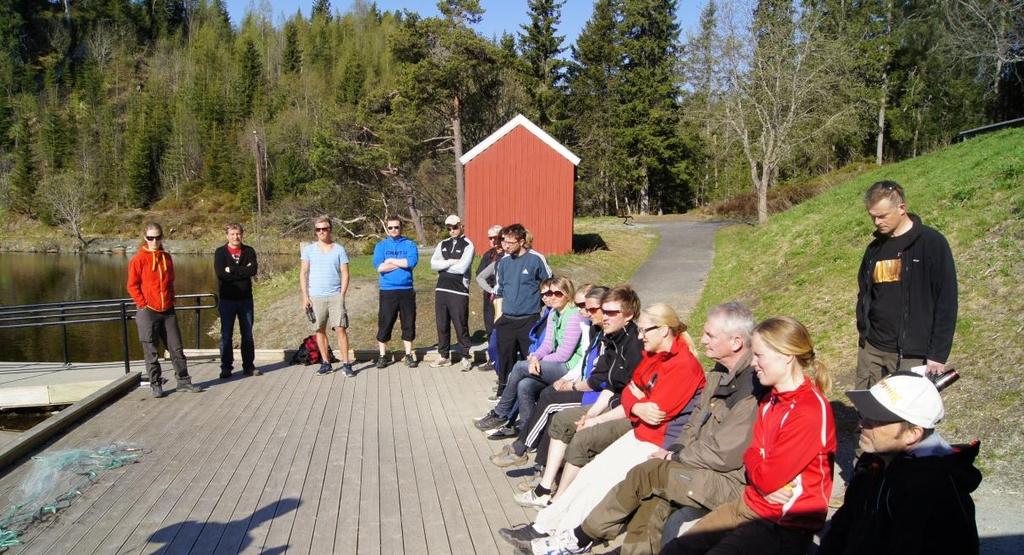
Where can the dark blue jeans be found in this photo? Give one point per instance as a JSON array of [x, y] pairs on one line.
[[243, 311], [523, 388]]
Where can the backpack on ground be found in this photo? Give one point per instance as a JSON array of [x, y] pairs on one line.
[[309, 353]]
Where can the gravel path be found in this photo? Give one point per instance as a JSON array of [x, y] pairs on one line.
[[676, 271]]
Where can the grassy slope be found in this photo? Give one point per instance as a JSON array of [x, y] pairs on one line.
[[804, 263]]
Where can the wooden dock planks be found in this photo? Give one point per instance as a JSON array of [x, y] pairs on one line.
[[386, 462]]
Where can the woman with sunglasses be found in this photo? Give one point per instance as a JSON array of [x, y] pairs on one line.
[[656, 404], [564, 393], [790, 457], [560, 350]]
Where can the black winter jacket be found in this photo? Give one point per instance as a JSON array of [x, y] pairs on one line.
[[910, 506], [614, 368], [235, 285], [929, 293]]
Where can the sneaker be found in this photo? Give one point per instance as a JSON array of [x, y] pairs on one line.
[[410, 360], [441, 362], [486, 367], [466, 364], [530, 484], [346, 367], [325, 368], [562, 543], [493, 398], [504, 432], [489, 422], [382, 362], [508, 457], [158, 390], [253, 372], [225, 374], [521, 535], [531, 499]]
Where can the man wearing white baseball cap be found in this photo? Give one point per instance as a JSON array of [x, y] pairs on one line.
[[452, 260], [910, 491]]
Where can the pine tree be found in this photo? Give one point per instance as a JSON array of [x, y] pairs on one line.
[[540, 47], [292, 57], [593, 91], [24, 174], [251, 78], [649, 113], [461, 12], [321, 9]]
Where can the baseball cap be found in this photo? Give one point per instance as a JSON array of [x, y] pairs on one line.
[[452, 220], [900, 396]]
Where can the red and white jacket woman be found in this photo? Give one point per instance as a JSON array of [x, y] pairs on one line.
[[794, 446]]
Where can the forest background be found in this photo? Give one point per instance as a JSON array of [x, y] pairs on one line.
[[110, 109]]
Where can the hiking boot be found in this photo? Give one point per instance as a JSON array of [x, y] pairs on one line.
[[466, 364], [489, 421], [562, 543], [185, 384], [505, 432], [410, 360], [158, 390], [508, 457], [325, 368], [441, 363], [521, 535], [382, 362], [346, 367], [531, 499]]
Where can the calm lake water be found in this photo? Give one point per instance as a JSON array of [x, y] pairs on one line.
[[27, 278]]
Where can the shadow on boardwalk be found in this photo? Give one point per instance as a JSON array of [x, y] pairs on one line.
[[229, 537]]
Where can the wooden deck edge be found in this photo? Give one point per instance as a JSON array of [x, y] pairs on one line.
[[478, 352], [40, 433]]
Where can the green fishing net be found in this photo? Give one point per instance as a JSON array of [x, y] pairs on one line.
[[54, 481]]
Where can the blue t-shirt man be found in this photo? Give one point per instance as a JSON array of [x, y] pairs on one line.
[[324, 269]]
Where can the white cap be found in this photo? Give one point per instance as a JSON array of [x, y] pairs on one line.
[[452, 220], [901, 396]]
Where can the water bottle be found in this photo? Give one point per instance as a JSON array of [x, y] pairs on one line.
[[945, 379]]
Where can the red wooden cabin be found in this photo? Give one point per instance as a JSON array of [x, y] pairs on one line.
[[520, 174]]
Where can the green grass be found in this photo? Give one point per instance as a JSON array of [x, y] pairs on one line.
[[804, 261]]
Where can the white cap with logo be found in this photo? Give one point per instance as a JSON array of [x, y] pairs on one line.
[[900, 396], [452, 220]]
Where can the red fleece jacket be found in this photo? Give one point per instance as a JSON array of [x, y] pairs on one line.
[[151, 279], [794, 443], [669, 379]]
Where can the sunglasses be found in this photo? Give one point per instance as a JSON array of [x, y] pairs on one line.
[[494, 238], [643, 331], [390, 227], [154, 237], [611, 313], [556, 294], [324, 229], [594, 309], [581, 306], [451, 227]]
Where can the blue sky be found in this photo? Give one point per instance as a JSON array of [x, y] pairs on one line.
[[500, 15]]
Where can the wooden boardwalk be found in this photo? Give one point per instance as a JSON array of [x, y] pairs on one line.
[[386, 462]]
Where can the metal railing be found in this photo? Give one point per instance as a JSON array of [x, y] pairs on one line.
[[68, 313], [964, 135]]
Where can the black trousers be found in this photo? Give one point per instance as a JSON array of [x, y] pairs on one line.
[[513, 344], [160, 327], [395, 303], [535, 432], [488, 314], [451, 310]]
